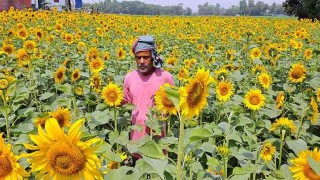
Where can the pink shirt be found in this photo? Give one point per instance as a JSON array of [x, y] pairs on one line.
[[139, 90]]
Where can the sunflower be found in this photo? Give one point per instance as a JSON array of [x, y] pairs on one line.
[[230, 54], [40, 121], [308, 54], [318, 94], [78, 91], [8, 48], [96, 65], [99, 31], [224, 150], [121, 53], [211, 49], [95, 82], [69, 38], [193, 97], [62, 115], [63, 156], [172, 61], [221, 73], [283, 123], [60, 75], [315, 111], [75, 75], [29, 46], [265, 80], [258, 69], [267, 151], [280, 99], [22, 33], [255, 53], [183, 74], [203, 77], [9, 165], [254, 99], [224, 90], [162, 102], [106, 56], [272, 52], [81, 46], [297, 73], [112, 94], [300, 165], [4, 83], [93, 53]]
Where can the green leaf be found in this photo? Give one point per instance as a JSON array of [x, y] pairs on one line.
[[199, 134], [286, 173], [101, 117], [66, 88], [159, 165], [250, 168], [297, 145], [129, 107], [196, 166], [46, 95], [152, 150], [315, 165], [25, 127], [271, 113], [25, 111], [173, 95]]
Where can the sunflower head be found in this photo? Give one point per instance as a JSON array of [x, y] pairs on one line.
[[112, 94], [96, 65], [283, 124], [162, 102], [75, 75], [62, 115], [297, 73], [60, 75], [267, 151], [265, 80], [254, 99], [300, 166], [9, 167], [224, 90]]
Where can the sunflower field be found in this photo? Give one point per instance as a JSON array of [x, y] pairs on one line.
[[244, 104]]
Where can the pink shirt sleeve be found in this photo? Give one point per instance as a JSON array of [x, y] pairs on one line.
[[126, 92]]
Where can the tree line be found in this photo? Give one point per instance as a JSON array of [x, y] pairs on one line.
[[249, 8]]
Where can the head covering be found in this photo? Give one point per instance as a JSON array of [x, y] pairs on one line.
[[147, 43]]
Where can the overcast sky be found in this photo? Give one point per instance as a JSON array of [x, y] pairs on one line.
[[194, 3]]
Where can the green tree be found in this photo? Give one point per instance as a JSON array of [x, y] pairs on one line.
[[303, 8]]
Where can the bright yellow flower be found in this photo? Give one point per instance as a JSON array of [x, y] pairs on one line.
[[297, 73], [254, 99], [300, 167], [96, 65], [267, 151], [283, 123], [315, 111], [255, 53], [224, 90], [62, 115], [280, 100], [265, 80], [112, 94], [9, 165], [60, 75], [58, 155], [162, 102], [308, 54]]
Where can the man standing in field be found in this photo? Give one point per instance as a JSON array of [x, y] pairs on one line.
[[140, 85]]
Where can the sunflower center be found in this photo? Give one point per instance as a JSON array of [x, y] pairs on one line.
[[167, 102], [297, 73], [254, 100], [112, 96], [120, 54], [5, 166], [309, 173], [59, 75], [265, 80], [75, 75], [224, 90], [194, 97], [96, 65], [65, 159], [96, 82], [60, 118]]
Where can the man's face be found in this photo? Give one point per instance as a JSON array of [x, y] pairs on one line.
[[144, 62]]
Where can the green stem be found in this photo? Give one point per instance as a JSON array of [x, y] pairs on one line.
[[283, 132], [169, 125], [180, 148], [301, 122], [116, 125], [6, 116], [225, 168]]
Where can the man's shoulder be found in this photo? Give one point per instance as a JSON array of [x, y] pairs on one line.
[[131, 74]]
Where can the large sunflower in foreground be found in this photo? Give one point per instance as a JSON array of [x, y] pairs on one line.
[[112, 94], [297, 73], [60, 75], [9, 167], [162, 102], [63, 156], [300, 166], [267, 151], [254, 99], [224, 90], [62, 115]]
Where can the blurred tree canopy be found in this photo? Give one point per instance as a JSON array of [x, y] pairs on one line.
[[309, 9]]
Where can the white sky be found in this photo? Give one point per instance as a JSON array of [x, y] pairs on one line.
[[194, 3]]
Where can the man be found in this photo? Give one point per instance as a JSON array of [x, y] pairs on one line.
[[140, 85]]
